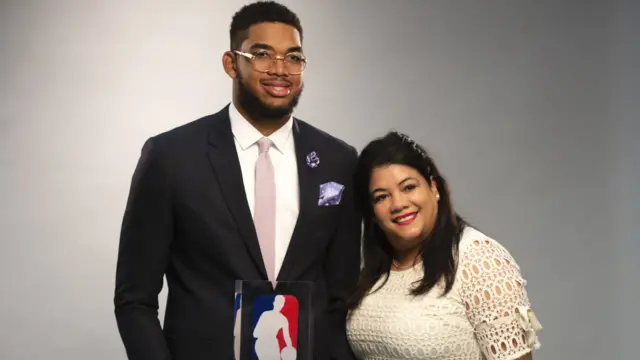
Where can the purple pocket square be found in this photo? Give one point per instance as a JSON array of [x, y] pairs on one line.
[[330, 194]]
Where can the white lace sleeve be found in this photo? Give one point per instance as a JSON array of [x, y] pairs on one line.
[[496, 301]]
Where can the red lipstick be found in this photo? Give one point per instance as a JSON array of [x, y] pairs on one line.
[[405, 219]]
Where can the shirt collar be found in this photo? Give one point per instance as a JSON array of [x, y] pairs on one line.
[[247, 135]]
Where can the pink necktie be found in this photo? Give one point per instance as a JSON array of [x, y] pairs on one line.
[[265, 207]]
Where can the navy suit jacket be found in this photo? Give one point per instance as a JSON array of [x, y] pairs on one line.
[[187, 218]]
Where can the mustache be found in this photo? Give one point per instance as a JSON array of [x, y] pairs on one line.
[[276, 80]]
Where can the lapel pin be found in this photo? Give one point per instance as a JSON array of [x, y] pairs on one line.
[[313, 160]]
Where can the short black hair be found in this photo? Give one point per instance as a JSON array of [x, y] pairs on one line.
[[257, 13]]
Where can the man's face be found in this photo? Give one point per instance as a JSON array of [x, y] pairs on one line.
[[275, 93]]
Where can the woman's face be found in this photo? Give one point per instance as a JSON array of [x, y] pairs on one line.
[[404, 204]]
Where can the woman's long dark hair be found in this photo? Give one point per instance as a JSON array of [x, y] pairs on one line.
[[438, 251]]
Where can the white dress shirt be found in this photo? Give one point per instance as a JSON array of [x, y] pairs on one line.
[[283, 157]]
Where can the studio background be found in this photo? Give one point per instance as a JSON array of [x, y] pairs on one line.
[[530, 109]]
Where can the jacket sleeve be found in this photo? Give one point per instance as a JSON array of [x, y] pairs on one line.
[[143, 254]]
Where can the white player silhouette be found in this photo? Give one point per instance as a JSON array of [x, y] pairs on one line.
[[266, 332]]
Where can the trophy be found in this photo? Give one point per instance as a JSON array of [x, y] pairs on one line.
[[273, 323]]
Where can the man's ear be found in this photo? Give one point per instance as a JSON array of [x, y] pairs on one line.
[[228, 64]]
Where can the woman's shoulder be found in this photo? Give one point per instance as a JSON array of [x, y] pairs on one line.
[[472, 237], [477, 246]]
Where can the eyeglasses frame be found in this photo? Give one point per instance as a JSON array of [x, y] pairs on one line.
[[252, 58]]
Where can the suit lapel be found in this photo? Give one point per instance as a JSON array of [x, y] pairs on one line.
[[309, 193], [226, 166]]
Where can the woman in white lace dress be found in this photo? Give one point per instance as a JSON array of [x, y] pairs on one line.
[[432, 286]]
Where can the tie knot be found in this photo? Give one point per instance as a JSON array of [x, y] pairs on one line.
[[264, 144]]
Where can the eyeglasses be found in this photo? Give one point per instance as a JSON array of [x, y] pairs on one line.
[[262, 61]]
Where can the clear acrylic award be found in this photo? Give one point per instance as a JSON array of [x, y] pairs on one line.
[[273, 324]]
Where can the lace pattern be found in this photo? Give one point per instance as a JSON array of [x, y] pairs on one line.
[[486, 315], [497, 305]]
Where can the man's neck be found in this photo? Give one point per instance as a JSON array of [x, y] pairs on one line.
[[265, 126]]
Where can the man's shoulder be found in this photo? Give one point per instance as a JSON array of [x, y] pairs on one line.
[[189, 129], [189, 132], [325, 138]]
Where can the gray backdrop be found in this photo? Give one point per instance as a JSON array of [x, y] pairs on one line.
[[530, 108]]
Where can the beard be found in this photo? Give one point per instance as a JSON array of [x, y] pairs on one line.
[[257, 110]]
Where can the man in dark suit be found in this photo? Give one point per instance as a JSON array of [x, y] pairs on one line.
[[248, 193]]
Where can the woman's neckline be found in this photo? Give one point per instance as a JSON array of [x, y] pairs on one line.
[[401, 270]]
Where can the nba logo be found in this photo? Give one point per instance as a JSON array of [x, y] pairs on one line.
[[275, 327]]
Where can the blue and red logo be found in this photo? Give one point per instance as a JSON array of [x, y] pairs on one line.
[[275, 327]]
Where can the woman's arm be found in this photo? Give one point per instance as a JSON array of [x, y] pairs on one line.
[[496, 300]]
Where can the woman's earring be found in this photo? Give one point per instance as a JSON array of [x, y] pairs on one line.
[[438, 196]]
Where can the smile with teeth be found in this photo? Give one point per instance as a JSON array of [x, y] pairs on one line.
[[405, 219], [277, 90]]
